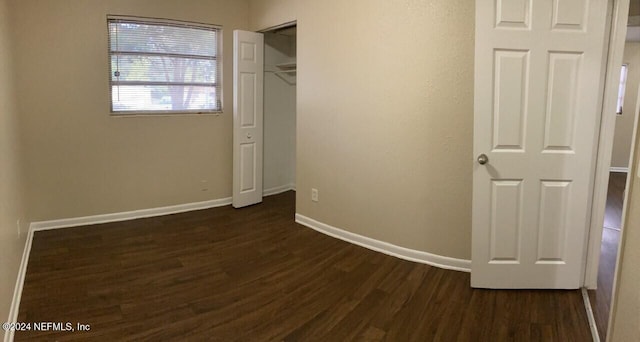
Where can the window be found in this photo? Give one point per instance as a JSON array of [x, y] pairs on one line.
[[621, 89], [164, 66]]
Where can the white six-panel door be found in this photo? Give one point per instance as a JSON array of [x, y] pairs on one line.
[[248, 65], [538, 68]]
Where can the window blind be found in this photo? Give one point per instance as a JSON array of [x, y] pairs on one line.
[[159, 65]]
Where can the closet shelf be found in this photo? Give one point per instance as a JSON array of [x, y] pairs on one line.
[[284, 68], [283, 71], [288, 65]]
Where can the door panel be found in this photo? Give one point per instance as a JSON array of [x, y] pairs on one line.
[[247, 165], [538, 66], [569, 14], [510, 98], [248, 49], [561, 101], [247, 100], [513, 13], [553, 221], [506, 221]]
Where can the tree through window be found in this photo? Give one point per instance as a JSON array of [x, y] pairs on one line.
[[163, 66]]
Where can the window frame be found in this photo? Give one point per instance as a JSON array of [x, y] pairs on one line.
[[177, 23]]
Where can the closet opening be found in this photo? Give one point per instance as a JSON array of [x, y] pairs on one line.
[[279, 168]]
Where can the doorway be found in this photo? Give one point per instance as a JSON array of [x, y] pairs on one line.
[[279, 171], [626, 113]]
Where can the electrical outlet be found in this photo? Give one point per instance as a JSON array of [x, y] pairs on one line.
[[204, 186], [314, 195], [18, 225]]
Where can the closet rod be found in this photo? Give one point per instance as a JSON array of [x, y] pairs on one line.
[[281, 72]]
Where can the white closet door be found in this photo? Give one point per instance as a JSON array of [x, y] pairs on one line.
[[248, 65]]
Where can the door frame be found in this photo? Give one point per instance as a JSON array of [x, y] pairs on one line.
[[617, 37], [281, 26], [274, 28], [633, 171]]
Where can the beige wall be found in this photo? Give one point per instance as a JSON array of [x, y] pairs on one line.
[[279, 113], [80, 160], [624, 123], [626, 308], [385, 117], [11, 181], [269, 13]]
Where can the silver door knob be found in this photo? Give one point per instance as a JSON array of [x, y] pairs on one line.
[[483, 159], [248, 135]]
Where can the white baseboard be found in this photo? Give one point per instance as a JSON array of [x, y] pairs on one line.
[[363, 241], [89, 220], [128, 215], [278, 189], [17, 291], [387, 248], [619, 169], [592, 321]]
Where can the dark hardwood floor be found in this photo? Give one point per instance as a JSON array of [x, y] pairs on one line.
[[615, 197], [601, 298], [255, 275]]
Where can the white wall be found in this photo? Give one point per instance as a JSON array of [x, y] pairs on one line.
[[279, 114], [624, 123], [12, 206]]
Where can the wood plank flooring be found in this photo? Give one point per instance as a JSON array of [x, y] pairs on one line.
[[255, 275], [601, 298], [615, 197]]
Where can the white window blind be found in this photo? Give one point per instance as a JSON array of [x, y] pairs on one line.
[[163, 66]]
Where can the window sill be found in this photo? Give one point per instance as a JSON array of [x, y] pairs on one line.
[[162, 114]]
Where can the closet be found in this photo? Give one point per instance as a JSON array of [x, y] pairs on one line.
[[279, 168]]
